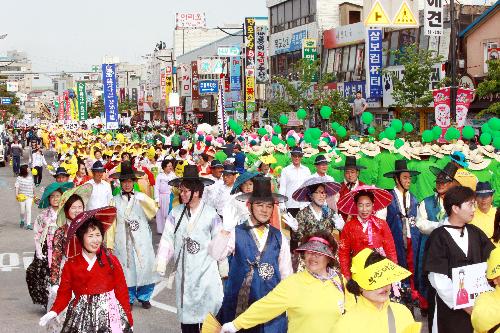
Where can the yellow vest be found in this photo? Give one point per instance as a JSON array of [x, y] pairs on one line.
[[485, 222]]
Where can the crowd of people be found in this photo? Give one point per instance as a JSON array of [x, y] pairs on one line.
[[352, 236]]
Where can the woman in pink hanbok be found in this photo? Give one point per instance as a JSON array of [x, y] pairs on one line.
[[163, 193]]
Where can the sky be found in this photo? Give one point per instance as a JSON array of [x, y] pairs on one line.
[[74, 35]]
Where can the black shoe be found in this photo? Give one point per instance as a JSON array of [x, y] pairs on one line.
[[145, 304]]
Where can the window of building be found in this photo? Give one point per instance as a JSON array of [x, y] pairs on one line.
[[296, 10], [354, 16], [393, 46], [352, 58], [345, 59]]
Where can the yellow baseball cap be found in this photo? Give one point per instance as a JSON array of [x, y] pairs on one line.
[[377, 275], [493, 262]]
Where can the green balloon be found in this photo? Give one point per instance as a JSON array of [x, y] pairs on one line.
[[325, 112], [277, 129], [275, 140], [485, 128], [221, 156], [408, 127], [232, 124], [291, 142], [335, 125], [496, 142], [436, 130], [283, 120], [301, 114], [341, 131], [485, 139], [494, 124], [381, 135], [238, 130], [397, 125], [468, 132], [399, 143], [427, 136], [262, 131], [390, 133], [371, 130], [314, 132], [451, 134], [367, 117]]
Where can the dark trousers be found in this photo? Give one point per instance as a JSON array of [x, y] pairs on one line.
[[38, 178], [16, 164], [191, 328]]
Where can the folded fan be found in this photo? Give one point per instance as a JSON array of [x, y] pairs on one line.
[[211, 325]]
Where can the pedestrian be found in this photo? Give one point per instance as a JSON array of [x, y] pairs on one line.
[[260, 256], [364, 229], [37, 161], [188, 231], [223, 191], [38, 272], [239, 158], [210, 191], [496, 229], [25, 192], [313, 299], [61, 175], [130, 236], [358, 107], [163, 193], [95, 277], [101, 192], [16, 151], [484, 216], [351, 179], [372, 277], [485, 315], [82, 175], [236, 210], [456, 243]]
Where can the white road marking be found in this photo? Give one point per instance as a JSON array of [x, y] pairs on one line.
[[11, 262], [158, 288]]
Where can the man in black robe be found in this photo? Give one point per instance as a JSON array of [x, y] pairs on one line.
[[454, 244]]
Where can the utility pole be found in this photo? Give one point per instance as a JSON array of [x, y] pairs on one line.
[[453, 90]]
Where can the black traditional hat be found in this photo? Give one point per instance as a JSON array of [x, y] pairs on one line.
[[296, 151], [190, 173], [484, 189], [216, 164], [98, 167], [320, 159], [350, 163], [61, 171], [127, 172], [449, 171], [230, 169], [262, 192], [400, 166]]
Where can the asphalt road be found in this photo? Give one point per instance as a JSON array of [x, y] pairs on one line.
[[17, 312]]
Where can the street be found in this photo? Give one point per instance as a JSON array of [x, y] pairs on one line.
[[18, 313]]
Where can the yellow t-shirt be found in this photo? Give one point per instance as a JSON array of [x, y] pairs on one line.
[[486, 311], [485, 222]]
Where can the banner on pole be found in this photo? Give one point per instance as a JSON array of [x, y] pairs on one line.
[[81, 92], [110, 97], [221, 112], [374, 62], [261, 53], [442, 106], [464, 98]]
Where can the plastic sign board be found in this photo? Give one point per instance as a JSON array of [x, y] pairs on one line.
[[391, 13], [208, 86], [405, 16], [377, 16]]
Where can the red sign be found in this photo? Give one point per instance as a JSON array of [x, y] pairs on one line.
[[464, 98], [194, 81], [442, 108]]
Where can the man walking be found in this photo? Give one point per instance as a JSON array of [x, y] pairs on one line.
[[358, 107], [16, 151]]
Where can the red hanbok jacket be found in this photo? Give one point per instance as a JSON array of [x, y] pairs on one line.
[[353, 240], [75, 278]]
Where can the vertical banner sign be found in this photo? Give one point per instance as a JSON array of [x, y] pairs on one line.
[[221, 111], [442, 108], [185, 75], [163, 77], [235, 74], [309, 52], [250, 59], [168, 88], [261, 50], [61, 108], [110, 97], [81, 92], [374, 63], [67, 107], [433, 18], [464, 98], [195, 78]]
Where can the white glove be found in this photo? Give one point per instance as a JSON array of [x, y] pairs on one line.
[[228, 328], [47, 317], [140, 196], [229, 218], [54, 289], [338, 221], [291, 221]]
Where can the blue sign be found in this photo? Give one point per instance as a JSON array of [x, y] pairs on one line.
[[208, 86], [110, 96], [352, 87], [374, 63], [289, 42], [6, 100], [235, 74]]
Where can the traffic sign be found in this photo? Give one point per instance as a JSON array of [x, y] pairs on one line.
[[208, 86], [377, 16], [404, 16], [6, 100]]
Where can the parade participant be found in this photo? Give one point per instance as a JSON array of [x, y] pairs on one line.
[[292, 176], [313, 299], [82, 175], [235, 209], [321, 165], [484, 216], [189, 229], [454, 244], [101, 193], [261, 255], [351, 178], [37, 273], [223, 191], [61, 175], [317, 215], [96, 279], [163, 193], [431, 212], [496, 229], [37, 161], [130, 236], [401, 216], [25, 191], [210, 192], [239, 158], [364, 229], [422, 187], [485, 315], [372, 277], [204, 165], [16, 151]]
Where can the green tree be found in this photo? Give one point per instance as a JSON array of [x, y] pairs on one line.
[[412, 91], [490, 86], [10, 109], [96, 108]]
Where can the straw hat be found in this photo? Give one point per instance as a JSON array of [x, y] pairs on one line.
[[437, 151], [489, 151], [386, 144], [407, 151], [370, 149], [478, 162], [310, 151], [425, 150], [281, 148]]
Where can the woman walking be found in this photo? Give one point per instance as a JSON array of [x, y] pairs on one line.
[[37, 161], [25, 191], [95, 277], [163, 193]]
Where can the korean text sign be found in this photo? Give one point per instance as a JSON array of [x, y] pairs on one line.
[[374, 62], [110, 97]]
